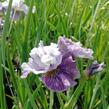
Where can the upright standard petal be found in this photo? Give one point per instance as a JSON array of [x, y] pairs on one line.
[[42, 59], [68, 47], [48, 57]]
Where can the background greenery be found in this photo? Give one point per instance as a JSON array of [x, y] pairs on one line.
[[87, 21]]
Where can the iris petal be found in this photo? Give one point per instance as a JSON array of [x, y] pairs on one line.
[[68, 47], [43, 59], [59, 82], [69, 66], [62, 78], [94, 68]]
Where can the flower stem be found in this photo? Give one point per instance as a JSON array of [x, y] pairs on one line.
[[51, 99]]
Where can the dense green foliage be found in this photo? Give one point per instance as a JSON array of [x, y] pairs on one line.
[[86, 21]]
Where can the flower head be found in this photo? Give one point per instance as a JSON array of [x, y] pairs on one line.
[[18, 7], [56, 63], [94, 68]]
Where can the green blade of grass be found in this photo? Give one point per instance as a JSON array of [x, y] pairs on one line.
[[72, 101], [3, 104], [26, 32]]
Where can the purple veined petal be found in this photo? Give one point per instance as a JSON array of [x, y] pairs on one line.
[[63, 77], [59, 82], [67, 80], [54, 84], [69, 66], [66, 46]]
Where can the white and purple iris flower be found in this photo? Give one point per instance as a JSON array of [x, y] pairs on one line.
[[56, 63], [18, 7]]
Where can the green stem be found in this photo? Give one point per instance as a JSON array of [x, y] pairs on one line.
[[51, 99], [90, 36], [31, 98], [3, 57], [26, 31], [2, 89], [94, 92], [95, 14], [60, 100], [108, 107]]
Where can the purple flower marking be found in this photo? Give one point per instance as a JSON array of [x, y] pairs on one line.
[[94, 68], [63, 77]]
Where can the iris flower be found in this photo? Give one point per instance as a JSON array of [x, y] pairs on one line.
[[56, 63], [94, 68], [18, 6]]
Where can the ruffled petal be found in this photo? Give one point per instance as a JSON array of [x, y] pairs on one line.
[[31, 66], [49, 57], [43, 59], [67, 47]]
